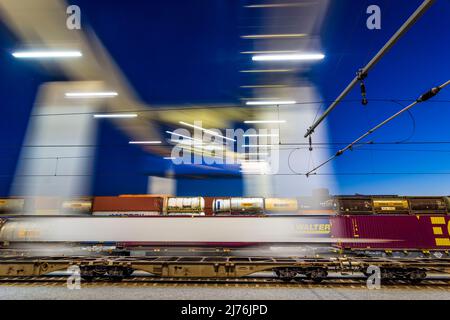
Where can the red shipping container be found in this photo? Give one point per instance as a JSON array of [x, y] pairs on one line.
[[121, 204], [396, 232], [209, 206]]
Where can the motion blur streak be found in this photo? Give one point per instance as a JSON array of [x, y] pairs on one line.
[[277, 53]]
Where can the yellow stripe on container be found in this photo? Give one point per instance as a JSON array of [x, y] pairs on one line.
[[442, 241], [437, 220]]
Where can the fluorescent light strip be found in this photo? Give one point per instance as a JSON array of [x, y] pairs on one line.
[[206, 130], [144, 142], [289, 57], [46, 54], [278, 5], [269, 52], [200, 145], [264, 121], [202, 152], [275, 36], [265, 86], [274, 102], [261, 135], [190, 142], [183, 136], [169, 158], [116, 115], [99, 94], [259, 99], [267, 70]]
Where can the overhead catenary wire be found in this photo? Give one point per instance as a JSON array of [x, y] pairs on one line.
[[211, 107], [424, 97], [364, 71]]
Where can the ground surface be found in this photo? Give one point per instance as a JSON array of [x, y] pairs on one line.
[[182, 292]]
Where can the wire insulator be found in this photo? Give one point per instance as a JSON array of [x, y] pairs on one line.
[[429, 94], [363, 93], [310, 144], [361, 75]]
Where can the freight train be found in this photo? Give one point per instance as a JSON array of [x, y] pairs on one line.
[[162, 205], [357, 224]]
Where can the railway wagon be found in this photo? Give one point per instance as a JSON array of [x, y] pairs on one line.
[[393, 232], [352, 233], [166, 231]]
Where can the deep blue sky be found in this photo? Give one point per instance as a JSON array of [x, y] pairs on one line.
[[188, 51]]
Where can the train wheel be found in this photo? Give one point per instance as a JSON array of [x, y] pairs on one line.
[[87, 278], [128, 272], [286, 274], [87, 274], [317, 275], [118, 273], [417, 276]]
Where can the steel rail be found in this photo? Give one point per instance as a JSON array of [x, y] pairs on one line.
[[335, 281]]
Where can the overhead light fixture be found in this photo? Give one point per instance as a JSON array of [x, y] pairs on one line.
[[183, 136], [264, 121], [264, 86], [145, 142], [253, 161], [269, 51], [267, 70], [46, 54], [116, 115], [169, 158], [275, 36], [206, 130], [278, 5], [267, 102], [199, 144], [289, 57], [97, 94], [261, 135]]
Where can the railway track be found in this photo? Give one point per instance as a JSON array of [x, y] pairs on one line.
[[331, 282]]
